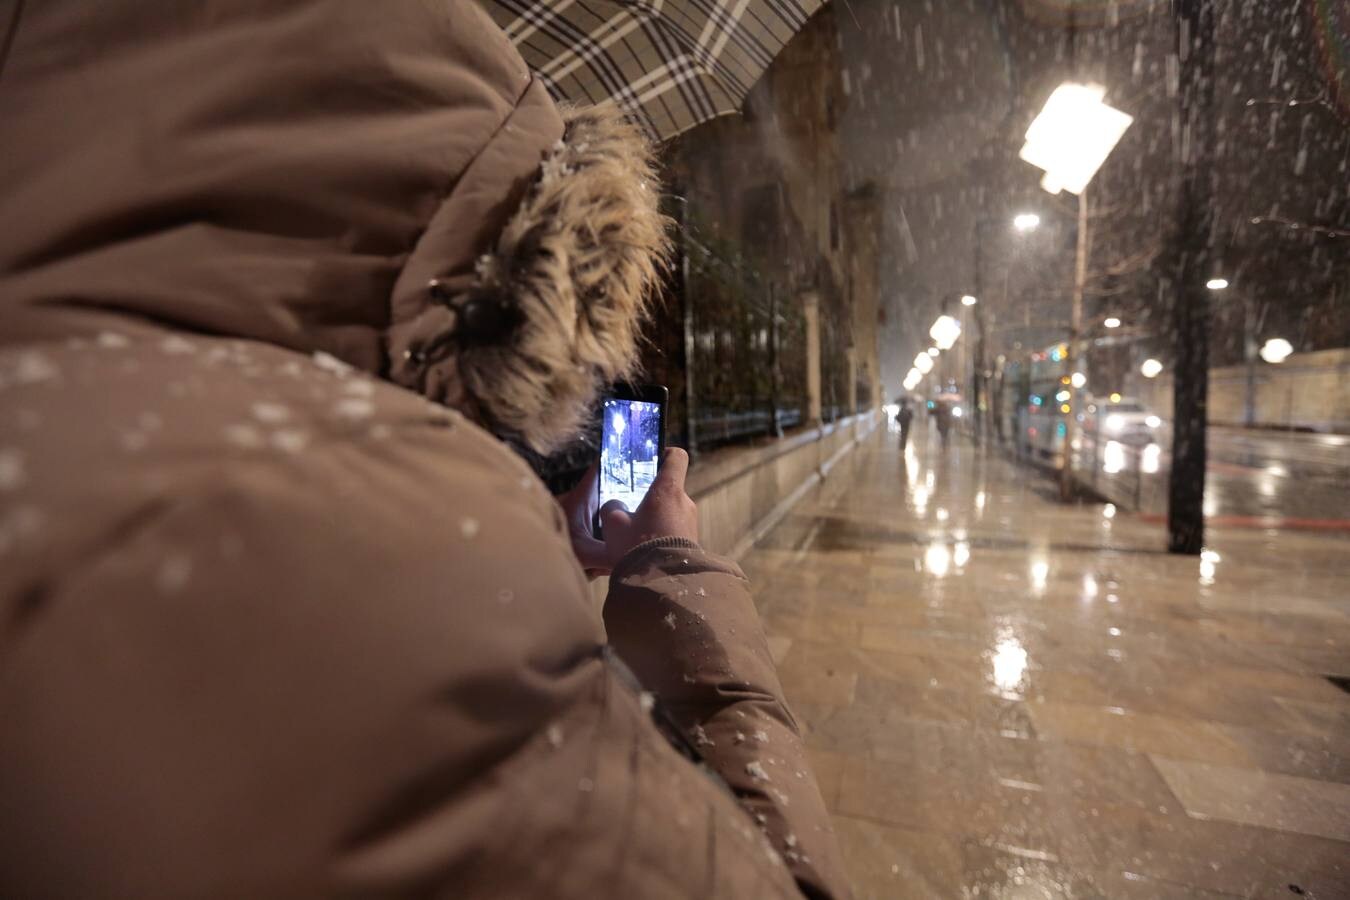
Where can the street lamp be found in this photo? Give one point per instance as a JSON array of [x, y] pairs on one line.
[[924, 363], [968, 300], [933, 351], [1276, 350], [1070, 139], [1026, 222], [1112, 322], [1078, 380], [945, 331], [1072, 136], [1151, 368], [1217, 284]]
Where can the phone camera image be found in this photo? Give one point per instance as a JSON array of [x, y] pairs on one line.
[[630, 451]]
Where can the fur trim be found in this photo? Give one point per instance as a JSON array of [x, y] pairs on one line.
[[574, 271]]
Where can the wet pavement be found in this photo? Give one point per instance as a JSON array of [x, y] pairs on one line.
[[1009, 697]]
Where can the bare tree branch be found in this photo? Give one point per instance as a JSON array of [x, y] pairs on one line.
[[1325, 230]]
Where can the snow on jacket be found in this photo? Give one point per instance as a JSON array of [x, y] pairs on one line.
[[279, 618]]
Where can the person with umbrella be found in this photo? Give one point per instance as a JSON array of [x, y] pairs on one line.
[[904, 417], [285, 615]]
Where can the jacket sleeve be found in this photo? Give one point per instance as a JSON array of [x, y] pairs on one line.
[[684, 621]]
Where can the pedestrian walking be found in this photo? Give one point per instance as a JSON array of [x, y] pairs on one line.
[[943, 412], [904, 417]]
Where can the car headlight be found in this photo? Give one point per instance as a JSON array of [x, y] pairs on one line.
[[1153, 421], [1115, 423]]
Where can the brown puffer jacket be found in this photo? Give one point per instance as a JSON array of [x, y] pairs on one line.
[[272, 624]]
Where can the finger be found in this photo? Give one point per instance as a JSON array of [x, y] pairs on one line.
[[586, 484], [674, 468], [592, 554], [615, 514], [586, 489], [588, 480]]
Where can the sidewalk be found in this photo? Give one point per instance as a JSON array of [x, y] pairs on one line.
[[1006, 697]]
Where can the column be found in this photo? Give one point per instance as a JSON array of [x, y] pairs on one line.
[[811, 311], [851, 358]]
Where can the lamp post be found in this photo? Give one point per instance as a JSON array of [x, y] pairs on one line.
[[1070, 139], [1022, 223]]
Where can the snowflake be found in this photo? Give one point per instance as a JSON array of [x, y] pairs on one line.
[[270, 412], [330, 363]]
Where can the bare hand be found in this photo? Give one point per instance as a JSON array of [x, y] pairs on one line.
[[578, 506], [666, 511]]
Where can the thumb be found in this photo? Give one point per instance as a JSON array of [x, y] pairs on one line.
[[674, 468], [615, 515]]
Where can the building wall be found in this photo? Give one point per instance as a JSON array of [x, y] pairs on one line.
[[770, 185], [1308, 390]]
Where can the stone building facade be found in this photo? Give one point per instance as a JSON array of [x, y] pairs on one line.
[[774, 303]]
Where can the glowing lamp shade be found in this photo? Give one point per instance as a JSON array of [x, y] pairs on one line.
[[1072, 136], [1151, 368], [1112, 322], [912, 379], [1276, 350], [968, 300], [944, 332], [933, 351], [1078, 379], [1217, 284], [1026, 222], [924, 363]]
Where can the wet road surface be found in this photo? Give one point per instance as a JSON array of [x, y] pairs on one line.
[[1253, 479], [1009, 697]]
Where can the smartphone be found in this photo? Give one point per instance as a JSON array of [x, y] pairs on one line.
[[632, 441]]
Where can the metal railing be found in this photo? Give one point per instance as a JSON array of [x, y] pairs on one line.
[[720, 425]]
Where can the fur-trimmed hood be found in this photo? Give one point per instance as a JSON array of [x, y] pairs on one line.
[[553, 309], [410, 201]]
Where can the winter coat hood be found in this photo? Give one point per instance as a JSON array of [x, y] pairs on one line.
[[426, 213]]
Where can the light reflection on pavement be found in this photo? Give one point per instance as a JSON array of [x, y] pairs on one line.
[[1031, 699]]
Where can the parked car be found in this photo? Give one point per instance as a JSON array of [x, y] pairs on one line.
[[1123, 419]]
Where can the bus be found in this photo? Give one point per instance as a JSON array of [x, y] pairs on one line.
[[1037, 402]]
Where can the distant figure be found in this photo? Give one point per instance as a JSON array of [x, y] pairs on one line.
[[904, 416], [943, 411]]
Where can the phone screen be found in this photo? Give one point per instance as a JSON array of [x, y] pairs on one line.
[[630, 450]]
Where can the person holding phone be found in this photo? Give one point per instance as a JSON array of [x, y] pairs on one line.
[[281, 283]]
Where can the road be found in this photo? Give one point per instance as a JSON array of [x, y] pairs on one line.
[[1253, 478]]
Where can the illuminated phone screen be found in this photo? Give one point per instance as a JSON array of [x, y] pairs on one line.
[[630, 450]]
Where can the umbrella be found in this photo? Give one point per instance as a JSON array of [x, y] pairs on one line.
[[670, 63]]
